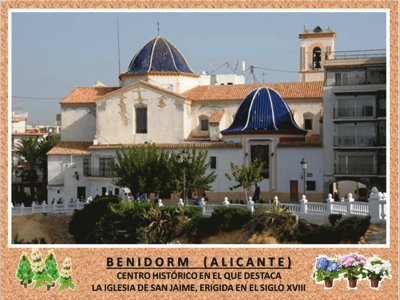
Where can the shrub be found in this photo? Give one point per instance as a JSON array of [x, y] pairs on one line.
[[83, 222], [276, 220], [351, 229], [348, 230], [307, 233], [334, 218], [223, 218], [162, 225], [121, 223], [230, 218]]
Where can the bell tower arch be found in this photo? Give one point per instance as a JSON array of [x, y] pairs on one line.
[[315, 47]]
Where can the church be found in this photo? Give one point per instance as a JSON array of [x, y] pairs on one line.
[[161, 100]]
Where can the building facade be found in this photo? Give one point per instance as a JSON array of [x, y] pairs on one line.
[[161, 100], [355, 114]]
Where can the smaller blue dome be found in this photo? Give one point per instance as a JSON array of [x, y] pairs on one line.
[[264, 111], [158, 55]]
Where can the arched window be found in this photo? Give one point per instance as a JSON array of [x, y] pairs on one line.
[[317, 58]]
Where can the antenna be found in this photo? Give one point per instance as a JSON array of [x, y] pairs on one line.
[[263, 74], [119, 56], [237, 65], [243, 66]]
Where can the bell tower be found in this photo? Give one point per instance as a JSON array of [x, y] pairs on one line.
[[315, 47]]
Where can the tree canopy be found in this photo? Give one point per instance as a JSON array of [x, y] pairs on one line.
[[150, 169]]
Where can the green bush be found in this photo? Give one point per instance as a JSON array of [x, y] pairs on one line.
[[347, 230], [351, 229], [276, 220], [334, 218], [121, 223], [83, 222], [307, 233], [223, 218], [230, 218]]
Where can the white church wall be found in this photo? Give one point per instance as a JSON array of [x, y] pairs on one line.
[[78, 123], [177, 84], [301, 107], [289, 168], [165, 118]]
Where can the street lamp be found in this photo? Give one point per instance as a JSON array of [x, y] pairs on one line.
[[184, 158], [304, 167]]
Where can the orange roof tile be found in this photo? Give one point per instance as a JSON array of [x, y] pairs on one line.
[[28, 133], [18, 119], [216, 117], [167, 146], [289, 90], [86, 95], [68, 148]]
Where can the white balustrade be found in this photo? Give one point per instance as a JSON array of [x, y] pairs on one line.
[[375, 207]]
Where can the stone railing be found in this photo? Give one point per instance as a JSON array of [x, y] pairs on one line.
[[375, 207], [47, 208]]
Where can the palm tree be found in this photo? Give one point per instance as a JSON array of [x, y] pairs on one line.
[[29, 149], [34, 152]]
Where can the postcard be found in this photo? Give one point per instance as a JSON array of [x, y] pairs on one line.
[[205, 150]]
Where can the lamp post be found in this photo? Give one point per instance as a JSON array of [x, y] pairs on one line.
[[184, 158], [304, 168]]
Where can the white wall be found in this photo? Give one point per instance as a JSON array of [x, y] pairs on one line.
[[18, 126], [78, 123], [300, 107], [177, 84], [116, 118], [289, 167]]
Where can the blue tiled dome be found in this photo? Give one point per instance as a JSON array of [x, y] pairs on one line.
[[158, 55], [264, 110]]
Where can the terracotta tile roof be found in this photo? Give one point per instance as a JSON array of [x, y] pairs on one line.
[[28, 133], [167, 146], [67, 148], [310, 140], [18, 119], [216, 117], [289, 90], [86, 95]]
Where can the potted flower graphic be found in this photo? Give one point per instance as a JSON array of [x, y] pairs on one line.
[[352, 268], [326, 270], [376, 270]]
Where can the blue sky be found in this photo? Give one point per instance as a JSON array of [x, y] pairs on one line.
[[54, 52]]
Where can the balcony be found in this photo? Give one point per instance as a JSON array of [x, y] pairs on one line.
[[349, 141], [355, 169], [98, 172], [356, 54]]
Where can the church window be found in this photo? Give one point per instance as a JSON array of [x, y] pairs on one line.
[[308, 124], [308, 121], [213, 162], [203, 123], [261, 153], [141, 119], [317, 58]]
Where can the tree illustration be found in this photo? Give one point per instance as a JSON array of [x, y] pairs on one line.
[[51, 266], [66, 275], [41, 277], [24, 272]]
